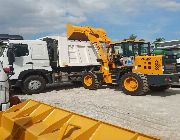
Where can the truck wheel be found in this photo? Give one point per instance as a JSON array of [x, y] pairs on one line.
[[33, 84], [159, 88], [134, 84], [90, 81]]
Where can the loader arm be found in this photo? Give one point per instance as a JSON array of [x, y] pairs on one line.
[[96, 36]]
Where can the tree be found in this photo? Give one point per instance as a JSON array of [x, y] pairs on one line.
[[158, 40], [132, 37], [142, 40]]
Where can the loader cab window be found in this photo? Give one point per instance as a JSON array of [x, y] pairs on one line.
[[136, 48], [21, 50], [124, 49], [128, 49], [118, 49], [144, 48]]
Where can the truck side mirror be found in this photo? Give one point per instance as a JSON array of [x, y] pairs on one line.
[[11, 57]]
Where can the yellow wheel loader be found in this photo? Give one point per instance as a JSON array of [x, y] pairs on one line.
[[137, 71], [146, 70]]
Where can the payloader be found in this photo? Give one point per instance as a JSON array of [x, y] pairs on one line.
[[130, 48], [139, 70]]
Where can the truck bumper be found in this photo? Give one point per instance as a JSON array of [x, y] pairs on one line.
[[164, 79], [4, 106]]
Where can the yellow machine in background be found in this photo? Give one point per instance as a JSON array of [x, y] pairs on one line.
[[138, 52], [32, 120], [133, 69]]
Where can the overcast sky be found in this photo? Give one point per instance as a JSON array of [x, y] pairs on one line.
[[120, 18]]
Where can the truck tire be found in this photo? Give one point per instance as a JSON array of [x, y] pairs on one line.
[[134, 84], [90, 81], [159, 88], [33, 84]]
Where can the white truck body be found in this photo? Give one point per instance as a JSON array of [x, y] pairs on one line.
[[4, 90], [75, 53]]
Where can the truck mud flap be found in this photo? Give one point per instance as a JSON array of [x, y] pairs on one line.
[[32, 120]]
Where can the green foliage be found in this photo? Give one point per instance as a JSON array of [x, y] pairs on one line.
[[142, 40], [132, 37], [159, 39]]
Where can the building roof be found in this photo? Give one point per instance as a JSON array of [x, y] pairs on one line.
[[12, 37], [170, 44]]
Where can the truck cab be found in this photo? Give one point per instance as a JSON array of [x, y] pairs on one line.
[[31, 61], [4, 90]]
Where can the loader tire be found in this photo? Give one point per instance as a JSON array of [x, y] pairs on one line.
[[159, 88], [134, 84], [90, 81], [33, 84]]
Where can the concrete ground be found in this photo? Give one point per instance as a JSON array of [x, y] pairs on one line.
[[156, 114]]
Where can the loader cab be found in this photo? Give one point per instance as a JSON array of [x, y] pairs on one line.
[[128, 50], [131, 48]]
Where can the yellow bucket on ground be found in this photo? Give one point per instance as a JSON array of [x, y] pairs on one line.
[[32, 120]]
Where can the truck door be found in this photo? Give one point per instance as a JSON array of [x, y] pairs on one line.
[[39, 55], [22, 58]]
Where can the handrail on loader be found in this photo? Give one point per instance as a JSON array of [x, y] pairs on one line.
[[96, 36], [32, 120]]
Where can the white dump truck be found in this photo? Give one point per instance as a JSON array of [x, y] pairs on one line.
[[48, 60]]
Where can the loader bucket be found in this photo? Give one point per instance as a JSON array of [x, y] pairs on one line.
[[32, 120], [78, 32]]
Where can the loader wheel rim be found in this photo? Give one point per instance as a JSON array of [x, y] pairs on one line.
[[131, 84], [88, 80]]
